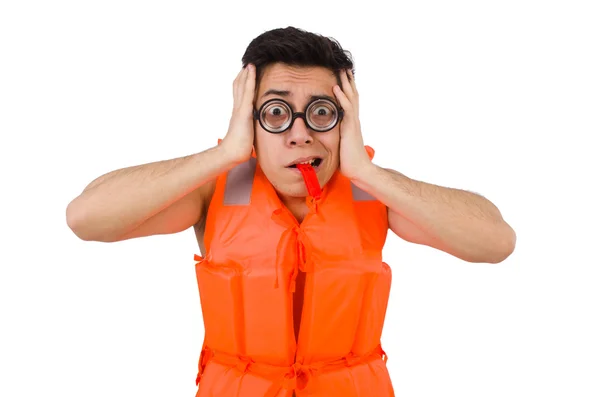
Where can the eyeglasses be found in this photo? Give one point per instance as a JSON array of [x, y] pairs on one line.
[[276, 115]]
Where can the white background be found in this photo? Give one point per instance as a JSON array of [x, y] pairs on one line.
[[499, 98]]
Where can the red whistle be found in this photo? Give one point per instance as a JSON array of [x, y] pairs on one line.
[[310, 179]]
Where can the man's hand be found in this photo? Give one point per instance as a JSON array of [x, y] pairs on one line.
[[240, 137], [353, 156]]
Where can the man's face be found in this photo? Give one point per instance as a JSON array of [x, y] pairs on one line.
[[275, 152]]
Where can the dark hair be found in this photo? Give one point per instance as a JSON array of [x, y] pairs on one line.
[[296, 47]]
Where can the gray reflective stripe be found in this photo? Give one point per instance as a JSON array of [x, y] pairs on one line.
[[360, 195], [238, 186]]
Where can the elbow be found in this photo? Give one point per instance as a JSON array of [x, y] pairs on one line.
[[496, 250], [507, 247], [78, 222]]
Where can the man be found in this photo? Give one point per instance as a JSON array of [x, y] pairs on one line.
[[282, 241]]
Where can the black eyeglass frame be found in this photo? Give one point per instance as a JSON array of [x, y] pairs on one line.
[[340, 115]]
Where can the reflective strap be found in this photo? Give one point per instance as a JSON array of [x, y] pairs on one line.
[[357, 193], [360, 195], [238, 187]]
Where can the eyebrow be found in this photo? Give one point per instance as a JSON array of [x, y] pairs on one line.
[[286, 93]]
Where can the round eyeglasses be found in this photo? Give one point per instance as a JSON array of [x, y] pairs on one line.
[[276, 115]]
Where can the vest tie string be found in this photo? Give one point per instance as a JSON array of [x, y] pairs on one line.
[[294, 377], [293, 235]]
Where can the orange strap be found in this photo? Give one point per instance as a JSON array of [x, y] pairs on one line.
[[205, 356], [295, 376], [293, 235]]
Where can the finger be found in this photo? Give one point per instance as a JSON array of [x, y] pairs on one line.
[[344, 101], [235, 85], [237, 78], [352, 82], [238, 88], [249, 86], [346, 87], [351, 92], [344, 80]]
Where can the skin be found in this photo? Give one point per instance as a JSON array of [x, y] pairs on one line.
[[275, 151], [455, 221]]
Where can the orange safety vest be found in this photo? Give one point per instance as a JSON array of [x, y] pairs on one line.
[[254, 250]]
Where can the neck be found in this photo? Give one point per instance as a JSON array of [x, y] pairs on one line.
[[296, 205]]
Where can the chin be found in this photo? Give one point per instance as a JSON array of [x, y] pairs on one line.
[[297, 190], [296, 187]]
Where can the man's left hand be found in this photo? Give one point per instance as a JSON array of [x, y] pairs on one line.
[[353, 156]]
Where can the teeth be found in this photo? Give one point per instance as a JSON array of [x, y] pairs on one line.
[[310, 162]]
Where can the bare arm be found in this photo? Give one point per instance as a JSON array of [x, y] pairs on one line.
[[157, 198], [461, 223], [166, 196]]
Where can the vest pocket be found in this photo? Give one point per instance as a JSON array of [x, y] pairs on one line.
[[332, 311], [375, 302], [222, 309]]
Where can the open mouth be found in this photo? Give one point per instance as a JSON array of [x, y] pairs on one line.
[[314, 162]]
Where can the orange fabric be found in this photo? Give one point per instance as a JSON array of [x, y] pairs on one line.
[[370, 151], [247, 280], [296, 376]]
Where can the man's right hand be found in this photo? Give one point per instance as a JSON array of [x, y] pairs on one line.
[[165, 196], [240, 137]]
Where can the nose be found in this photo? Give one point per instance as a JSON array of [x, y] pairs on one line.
[[299, 134]]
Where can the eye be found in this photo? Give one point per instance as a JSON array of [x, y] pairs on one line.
[[276, 110], [322, 111]]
